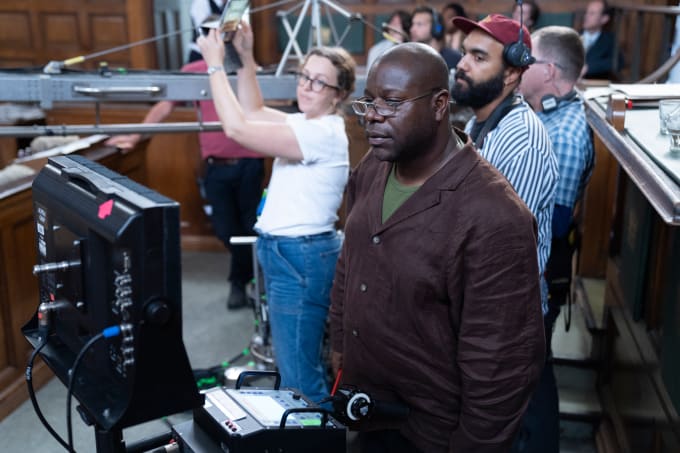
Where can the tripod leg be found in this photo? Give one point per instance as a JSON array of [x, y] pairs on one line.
[[296, 30]]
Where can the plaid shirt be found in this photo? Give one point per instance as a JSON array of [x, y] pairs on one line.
[[573, 148]]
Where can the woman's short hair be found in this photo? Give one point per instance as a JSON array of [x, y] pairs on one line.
[[343, 63]]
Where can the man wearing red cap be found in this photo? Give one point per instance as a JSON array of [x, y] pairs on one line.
[[504, 128]]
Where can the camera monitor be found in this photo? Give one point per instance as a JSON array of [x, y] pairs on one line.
[[108, 252]]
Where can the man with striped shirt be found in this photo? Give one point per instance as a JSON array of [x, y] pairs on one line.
[[504, 128]]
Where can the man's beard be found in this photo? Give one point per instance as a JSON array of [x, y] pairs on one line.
[[477, 95]]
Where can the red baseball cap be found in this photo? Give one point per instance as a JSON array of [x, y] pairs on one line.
[[501, 28]]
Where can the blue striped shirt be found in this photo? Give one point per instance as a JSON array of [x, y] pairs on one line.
[[519, 147]]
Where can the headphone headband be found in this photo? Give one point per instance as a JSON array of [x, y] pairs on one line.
[[517, 54]]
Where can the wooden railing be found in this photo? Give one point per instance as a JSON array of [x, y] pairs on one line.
[[645, 34]]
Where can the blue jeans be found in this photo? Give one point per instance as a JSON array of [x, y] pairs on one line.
[[298, 274], [234, 191]]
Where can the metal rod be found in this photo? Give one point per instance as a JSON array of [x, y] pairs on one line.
[[109, 129]]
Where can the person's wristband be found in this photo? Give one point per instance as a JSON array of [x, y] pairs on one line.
[[213, 69]]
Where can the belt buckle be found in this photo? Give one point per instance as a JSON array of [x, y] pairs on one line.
[[211, 160]]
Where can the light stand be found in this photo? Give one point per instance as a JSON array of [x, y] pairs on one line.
[[315, 28]]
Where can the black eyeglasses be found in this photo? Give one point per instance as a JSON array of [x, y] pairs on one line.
[[317, 85], [554, 63], [382, 107]]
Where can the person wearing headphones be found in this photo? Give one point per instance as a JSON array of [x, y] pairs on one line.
[[548, 86], [395, 31], [427, 27], [504, 128]]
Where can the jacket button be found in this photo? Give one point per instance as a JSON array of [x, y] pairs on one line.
[[355, 333], [376, 239], [363, 287]]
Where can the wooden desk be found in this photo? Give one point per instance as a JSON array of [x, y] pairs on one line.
[[632, 239], [18, 287]]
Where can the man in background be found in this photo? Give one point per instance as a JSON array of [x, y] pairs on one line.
[[548, 86], [427, 27], [395, 32], [599, 44]]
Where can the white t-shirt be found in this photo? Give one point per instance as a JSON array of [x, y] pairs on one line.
[[304, 196]]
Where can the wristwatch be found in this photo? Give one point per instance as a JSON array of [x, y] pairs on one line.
[[214, 69]]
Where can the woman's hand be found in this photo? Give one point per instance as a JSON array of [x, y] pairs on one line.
[[243, 40], [212, 48]]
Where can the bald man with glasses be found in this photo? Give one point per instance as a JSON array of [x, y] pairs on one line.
[[436, 300]]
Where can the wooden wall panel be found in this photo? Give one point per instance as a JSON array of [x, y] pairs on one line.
[[61, 34], [15, 30], [18, 292], [36, 32], [107, 32]]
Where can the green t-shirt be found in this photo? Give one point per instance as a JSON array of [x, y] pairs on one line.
[[395, 195]]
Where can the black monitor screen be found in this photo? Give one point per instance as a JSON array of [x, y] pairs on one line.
[[109, 255]]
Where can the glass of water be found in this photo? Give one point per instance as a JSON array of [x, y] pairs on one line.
[[673, 125], [667, 107]]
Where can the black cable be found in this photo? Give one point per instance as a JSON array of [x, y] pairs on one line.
[[71, 382], [31, 393], [106, 333]]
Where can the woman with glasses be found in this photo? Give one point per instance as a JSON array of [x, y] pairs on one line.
[[297, 245]]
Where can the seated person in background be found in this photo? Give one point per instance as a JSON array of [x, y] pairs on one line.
[[297, 245], [548, 86], [231, 179], [599, 44], [454, 37], [528, 12], [436, 305], [395, 32], [427, 27]]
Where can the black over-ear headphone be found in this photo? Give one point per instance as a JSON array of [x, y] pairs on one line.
[[437, 30], [549, 102], [518, 54]]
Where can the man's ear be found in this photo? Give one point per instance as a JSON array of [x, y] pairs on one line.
[[511, 75], [441, 105], [548, 72]]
